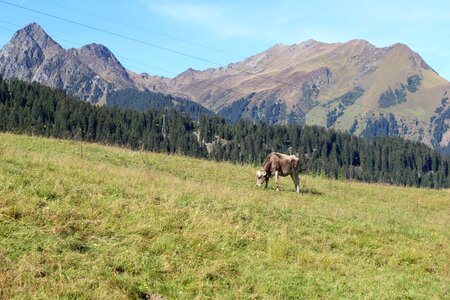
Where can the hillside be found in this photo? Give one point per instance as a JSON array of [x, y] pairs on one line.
[[39, 110], [87, 221]]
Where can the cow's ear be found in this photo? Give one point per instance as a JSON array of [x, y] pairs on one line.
[[264, 173]]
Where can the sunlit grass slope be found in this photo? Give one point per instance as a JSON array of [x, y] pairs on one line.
[[89, 221]]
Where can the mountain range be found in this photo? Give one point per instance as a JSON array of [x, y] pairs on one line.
[[352, 86]]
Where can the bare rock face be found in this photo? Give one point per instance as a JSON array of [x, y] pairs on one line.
[[87, 73], [26, 52], [103, 62]]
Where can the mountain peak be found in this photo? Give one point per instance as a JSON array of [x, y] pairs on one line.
[[33, 33], [26, 51], [400, 46], [93, 51], [188, 72], [33, 27], [103, 62], [359, 42], [87, 73], [98, 49], [311, 42]]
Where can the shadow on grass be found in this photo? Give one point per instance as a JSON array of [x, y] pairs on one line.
[[303, 190], [310, 191]]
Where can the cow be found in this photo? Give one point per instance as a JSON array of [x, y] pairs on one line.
[[278, 164]]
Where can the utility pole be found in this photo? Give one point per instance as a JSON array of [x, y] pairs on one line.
[[163, 129]]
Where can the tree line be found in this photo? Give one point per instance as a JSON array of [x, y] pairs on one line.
[[38, 110]]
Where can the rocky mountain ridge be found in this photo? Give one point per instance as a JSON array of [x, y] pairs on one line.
[[88, 72]]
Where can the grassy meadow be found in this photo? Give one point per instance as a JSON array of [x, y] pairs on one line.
[[85, 221]]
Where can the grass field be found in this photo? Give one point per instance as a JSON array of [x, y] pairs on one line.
[[88, 221]]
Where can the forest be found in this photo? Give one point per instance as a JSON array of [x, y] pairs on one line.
[[38, 110], [143, 100]]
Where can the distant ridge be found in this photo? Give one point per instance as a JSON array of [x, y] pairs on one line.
[[352, 86]]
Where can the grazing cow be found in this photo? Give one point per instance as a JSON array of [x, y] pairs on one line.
[[278, 164]]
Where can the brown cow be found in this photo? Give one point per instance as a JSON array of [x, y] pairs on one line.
[[278, 164]]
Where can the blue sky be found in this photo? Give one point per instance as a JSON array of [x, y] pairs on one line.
[[228, 31]]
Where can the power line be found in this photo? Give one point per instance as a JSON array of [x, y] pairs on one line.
[[142, 29], [197, 58], [147, 43], [9, 23], [7, 29], [80, 45], [204, 85], [134, 61], [114, 34]]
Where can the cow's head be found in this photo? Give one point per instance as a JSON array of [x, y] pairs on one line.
[[260, 177]]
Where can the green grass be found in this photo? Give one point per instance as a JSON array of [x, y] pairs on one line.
[[88, 221]]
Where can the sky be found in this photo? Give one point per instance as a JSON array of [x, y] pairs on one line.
[[166, 37]]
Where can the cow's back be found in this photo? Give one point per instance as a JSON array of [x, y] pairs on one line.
[[286, 164]]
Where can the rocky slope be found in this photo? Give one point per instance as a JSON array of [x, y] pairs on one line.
[[87, 73]]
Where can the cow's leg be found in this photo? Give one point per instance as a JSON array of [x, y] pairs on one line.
[[267, 182], [297, 182], [277, 180]]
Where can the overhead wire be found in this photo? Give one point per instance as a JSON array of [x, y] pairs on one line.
[[149, 44], [142, 29], [241, 95], [80, 45]]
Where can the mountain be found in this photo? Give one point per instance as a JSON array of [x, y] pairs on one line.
[[352, 86], [87, 73], [91, 73]]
